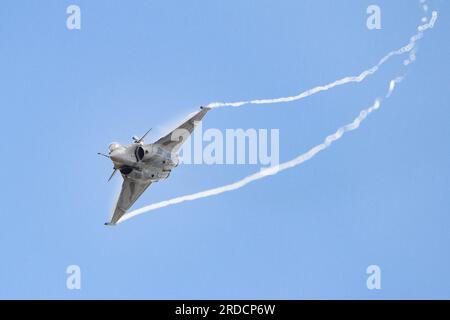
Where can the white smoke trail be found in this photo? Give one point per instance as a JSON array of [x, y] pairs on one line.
[[392, 85], [272, 170], [405, 49]]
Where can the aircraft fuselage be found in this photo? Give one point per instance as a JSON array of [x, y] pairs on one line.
[[138, 161]]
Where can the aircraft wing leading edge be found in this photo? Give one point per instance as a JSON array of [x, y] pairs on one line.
[[173, 145], [131, 191]]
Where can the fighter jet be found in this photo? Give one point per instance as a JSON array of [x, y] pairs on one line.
[[142, 164]]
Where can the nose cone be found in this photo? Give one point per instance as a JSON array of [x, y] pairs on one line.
[[116, 155], [114, 146]]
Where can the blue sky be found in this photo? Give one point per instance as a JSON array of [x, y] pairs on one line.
[[377, 196]]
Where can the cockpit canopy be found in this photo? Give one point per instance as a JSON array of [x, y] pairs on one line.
[[113, 146]]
